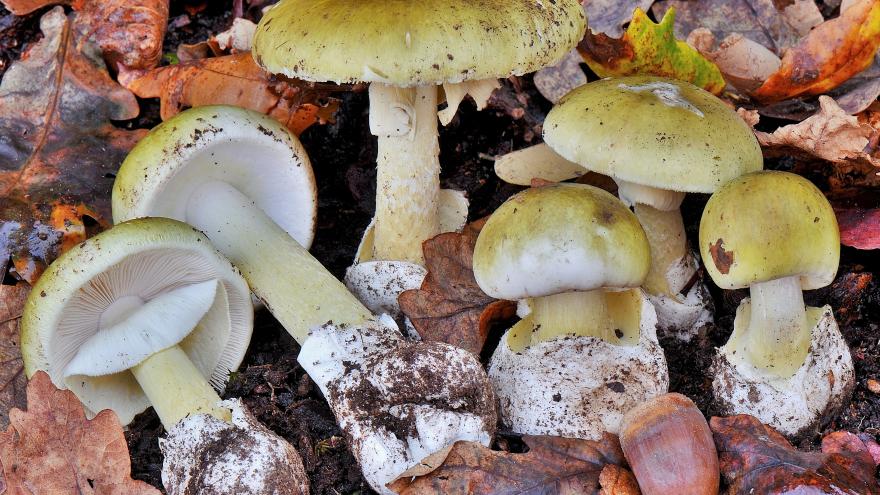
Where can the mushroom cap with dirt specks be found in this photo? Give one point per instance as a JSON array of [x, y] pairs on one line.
[[653, 131], [769, 225], [248, 150], [144, 258], [405, 43], [560, 238]]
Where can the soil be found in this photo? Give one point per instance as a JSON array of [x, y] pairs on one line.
[[283, 397]]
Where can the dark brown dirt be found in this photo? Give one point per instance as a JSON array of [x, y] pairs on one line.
[[275, 387]]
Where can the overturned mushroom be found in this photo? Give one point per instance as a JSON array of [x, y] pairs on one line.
[[397, 401], [587, 351], [148, 313], [658, 139], [785, 363], [405, 50]]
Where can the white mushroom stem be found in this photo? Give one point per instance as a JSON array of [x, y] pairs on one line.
[[295, 287], [777, 339], [658, 212], [175, 387], [535, 162], [407, 170], [583, 313]]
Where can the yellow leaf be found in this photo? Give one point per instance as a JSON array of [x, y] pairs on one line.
[[649, 48]]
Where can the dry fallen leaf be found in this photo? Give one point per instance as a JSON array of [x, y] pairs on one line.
[[744, 63], [609, 16], [842, 442], [449, 306], [52, 448], [552, 466], [757, 460], [59, 150], [828, 56], [12, 379], [649, 48], [556, 81], [129, 32], [758, 20], [830, 135], [235, 80]]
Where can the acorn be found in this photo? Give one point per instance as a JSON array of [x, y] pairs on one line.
[[669, 446]]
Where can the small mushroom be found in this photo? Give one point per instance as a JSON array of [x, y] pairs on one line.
[[148, 313], [658, 139], [209, 166], [576, 255], [405, 50], [785, 363]]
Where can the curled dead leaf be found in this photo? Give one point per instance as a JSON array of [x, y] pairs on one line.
[[745, 64], [235, 80], [757, 460], [449, 306], [828, 56], [831, 135], [553, 465], [53, 448], [12, 379]]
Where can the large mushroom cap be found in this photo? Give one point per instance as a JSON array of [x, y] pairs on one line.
[[560, 238], [407, 43], [653, 131], [769, 225], [69, 324], [248, 150]]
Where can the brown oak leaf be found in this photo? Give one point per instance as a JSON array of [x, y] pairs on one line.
[[449, 306], [828, 56], [53, 448], [58, 147], [552, 466], [12, 379], [129, 32], [235, 80], [863, 445], [757, 460], [831, 135]]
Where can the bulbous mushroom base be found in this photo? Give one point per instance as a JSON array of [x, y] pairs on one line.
[[795, 406], [684, 318], [208, 456], [577, 386], [398, 401]]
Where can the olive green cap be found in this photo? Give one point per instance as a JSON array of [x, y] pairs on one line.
[[406, 43], [653, 131], [769, 225], [559, 238]]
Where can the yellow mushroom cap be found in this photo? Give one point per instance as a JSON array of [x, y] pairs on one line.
[[560, 238], [653, 131], [406, 43], [769, 225]]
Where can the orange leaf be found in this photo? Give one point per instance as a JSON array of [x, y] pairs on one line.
[[129, 32], [449, 306], [833, 52], [60, 149], [53, 448], [235, 80], [553, 465]]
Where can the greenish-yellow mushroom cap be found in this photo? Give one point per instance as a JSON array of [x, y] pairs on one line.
[[653, 131], [75, 327], [405, 43], [769, 225], [560, 238]]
